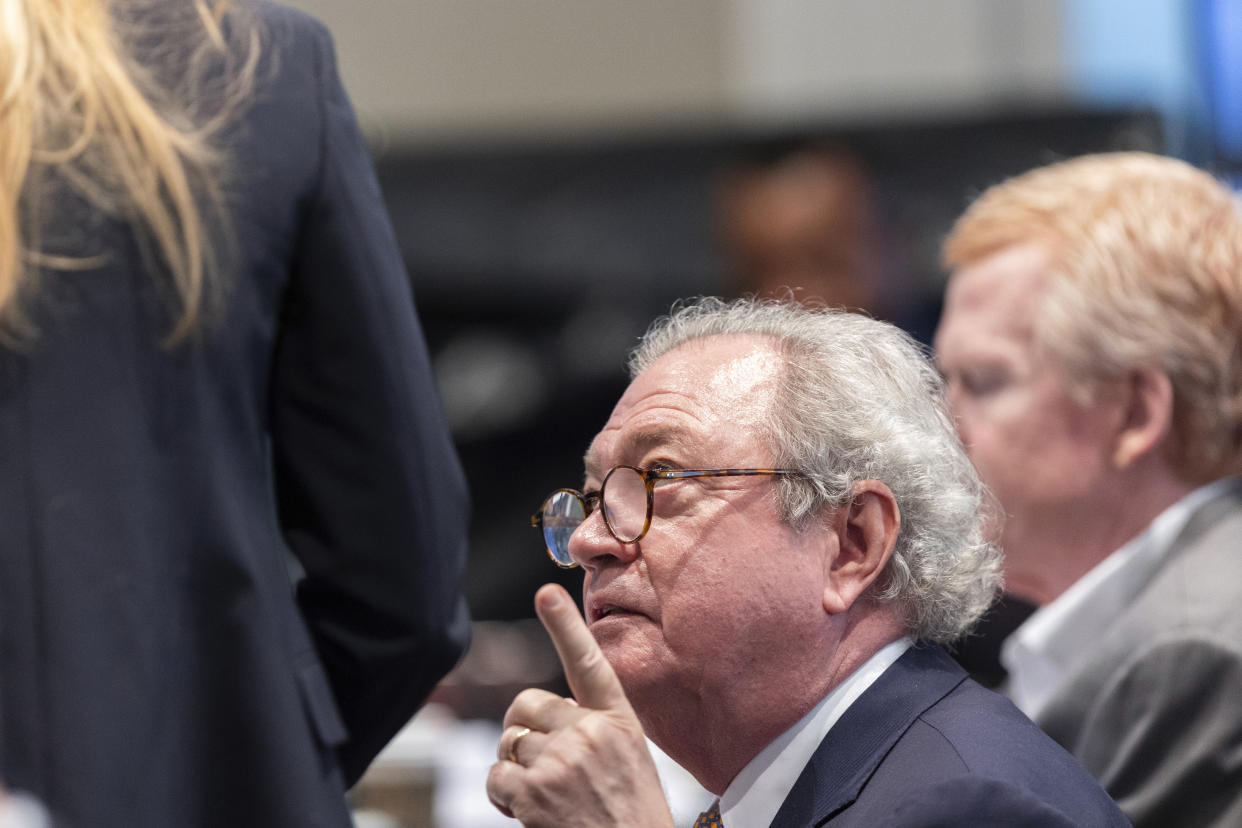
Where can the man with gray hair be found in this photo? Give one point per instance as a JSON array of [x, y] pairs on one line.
[[777, 527], [1092, 345]]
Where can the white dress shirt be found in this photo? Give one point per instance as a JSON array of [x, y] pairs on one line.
[[757, 792], [1053, 643]]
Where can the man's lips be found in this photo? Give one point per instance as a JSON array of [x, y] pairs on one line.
[[601, 609], [609, 611]]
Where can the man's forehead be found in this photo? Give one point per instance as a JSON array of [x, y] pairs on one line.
[[991, 302], [687, 396], [713, 369], [1010, 276]]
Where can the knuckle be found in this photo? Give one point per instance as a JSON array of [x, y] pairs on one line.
[[523, 704], [550, 705], [528, 697], [596, 730], [496, 788]]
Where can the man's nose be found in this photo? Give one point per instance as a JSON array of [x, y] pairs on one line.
[[592, 545]]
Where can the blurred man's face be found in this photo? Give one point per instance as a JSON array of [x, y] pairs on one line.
[[720, 602], [1044, 454]]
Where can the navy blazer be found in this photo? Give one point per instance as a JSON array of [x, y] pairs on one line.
[[926, 746], [157, 666]]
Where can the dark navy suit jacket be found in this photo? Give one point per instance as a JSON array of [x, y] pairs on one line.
[[926, 746], [157, 666]]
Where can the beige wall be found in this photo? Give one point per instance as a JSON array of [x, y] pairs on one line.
[[424, 68], [861, 58], [528, 65]]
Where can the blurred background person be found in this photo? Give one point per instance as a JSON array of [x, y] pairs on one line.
[[1092, 345], [804, 222], [211, 374]]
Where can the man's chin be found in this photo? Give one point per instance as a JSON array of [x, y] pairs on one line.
[[630, 654], [620, 642]]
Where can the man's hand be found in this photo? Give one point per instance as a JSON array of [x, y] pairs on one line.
[[581, 761]]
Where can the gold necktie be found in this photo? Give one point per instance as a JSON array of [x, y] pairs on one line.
[[710, 818]]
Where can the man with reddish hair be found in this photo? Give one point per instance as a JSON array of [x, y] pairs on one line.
[[1092, 346]]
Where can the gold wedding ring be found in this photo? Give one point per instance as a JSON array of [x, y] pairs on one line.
[[513, 746]]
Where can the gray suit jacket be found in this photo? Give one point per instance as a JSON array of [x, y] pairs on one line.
[[1157, 714]]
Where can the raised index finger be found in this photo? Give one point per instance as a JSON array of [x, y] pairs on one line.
[[591, 677]]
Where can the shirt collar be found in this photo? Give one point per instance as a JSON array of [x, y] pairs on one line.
[[1049, 645], [756, 793]]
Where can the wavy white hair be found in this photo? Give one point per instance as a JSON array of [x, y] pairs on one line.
[[859, 399]]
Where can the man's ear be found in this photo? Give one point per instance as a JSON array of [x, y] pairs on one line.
[[866, 530], [1148, 416]]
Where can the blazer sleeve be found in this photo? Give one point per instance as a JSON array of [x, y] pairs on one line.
[[1165, 736], [371, 497], [974, 800]]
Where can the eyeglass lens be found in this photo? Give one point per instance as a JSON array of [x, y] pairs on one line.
[[624, 498], [563, 512], [624, 495]]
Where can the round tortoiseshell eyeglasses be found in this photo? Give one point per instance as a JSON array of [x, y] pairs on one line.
[[626, 495]]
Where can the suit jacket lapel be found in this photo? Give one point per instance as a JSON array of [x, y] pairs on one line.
[[856, 744]]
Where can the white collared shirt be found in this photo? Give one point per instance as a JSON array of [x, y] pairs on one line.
[[1049, 646], [757, 792]]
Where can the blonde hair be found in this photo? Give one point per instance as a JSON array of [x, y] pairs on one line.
[[75, 103], [1145, 271]]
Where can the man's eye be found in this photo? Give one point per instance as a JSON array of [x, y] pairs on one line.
[[980, 383], [664, 466]]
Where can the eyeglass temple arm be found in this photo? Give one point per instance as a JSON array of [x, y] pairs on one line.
[[680, 474]]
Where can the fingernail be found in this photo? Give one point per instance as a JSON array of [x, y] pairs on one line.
[[553, 599]]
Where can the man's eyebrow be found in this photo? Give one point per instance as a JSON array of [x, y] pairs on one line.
[[590, 463]]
